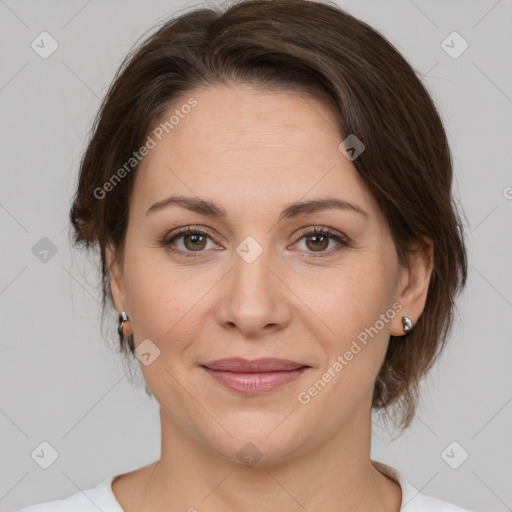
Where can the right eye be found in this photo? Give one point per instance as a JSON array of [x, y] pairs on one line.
[[193, 240]]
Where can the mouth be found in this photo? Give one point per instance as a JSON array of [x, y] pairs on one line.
[[254, 377]]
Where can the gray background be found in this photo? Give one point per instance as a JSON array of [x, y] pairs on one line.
[[60, 379]]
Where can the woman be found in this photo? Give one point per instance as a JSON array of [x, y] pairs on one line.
[[269, 190]]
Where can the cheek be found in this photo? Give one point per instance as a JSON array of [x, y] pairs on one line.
[[355, 303], [350, 297], [358, 311], [166, 301]]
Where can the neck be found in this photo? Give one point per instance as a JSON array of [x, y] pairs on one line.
[[334, 474]]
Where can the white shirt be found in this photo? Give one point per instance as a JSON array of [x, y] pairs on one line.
[[102, 498]]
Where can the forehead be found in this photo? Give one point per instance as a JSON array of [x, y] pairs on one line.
[[247, 145]]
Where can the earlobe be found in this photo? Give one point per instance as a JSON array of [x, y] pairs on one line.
[[413, 288]]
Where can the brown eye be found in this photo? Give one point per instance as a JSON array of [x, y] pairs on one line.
[[188, 241], [317, 242], [194, 242]]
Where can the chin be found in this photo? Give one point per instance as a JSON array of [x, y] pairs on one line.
[[258, 443]]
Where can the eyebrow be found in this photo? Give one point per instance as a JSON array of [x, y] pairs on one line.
[[292, 210]]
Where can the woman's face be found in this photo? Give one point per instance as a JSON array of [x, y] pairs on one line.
[[256, 282]]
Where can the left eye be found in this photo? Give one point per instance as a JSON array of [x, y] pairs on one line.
[[319, 240]]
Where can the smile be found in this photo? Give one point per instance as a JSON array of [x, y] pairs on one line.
[[254, 383]]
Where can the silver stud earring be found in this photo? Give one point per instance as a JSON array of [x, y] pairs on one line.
[[123, 317], [406, 323]]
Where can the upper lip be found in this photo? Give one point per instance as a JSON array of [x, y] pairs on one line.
[[238, 364]]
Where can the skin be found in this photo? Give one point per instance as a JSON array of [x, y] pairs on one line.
[[253, 152]]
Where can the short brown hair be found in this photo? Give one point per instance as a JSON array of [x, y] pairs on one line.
[[313, 47]]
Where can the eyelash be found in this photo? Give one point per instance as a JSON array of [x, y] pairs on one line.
[[168, 239]]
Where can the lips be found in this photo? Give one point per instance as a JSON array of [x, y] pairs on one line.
[[240, 365], [254, 377]]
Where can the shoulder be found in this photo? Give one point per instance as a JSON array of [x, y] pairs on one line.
[[412, 499], [424, 503], [89, 500], [415, 501]]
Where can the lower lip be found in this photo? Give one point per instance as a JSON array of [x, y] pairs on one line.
[[255, 383]]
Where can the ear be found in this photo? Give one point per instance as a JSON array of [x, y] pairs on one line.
[[116, 278], [413, 285]]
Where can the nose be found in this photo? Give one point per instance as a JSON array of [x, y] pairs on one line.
[[254, 296]]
